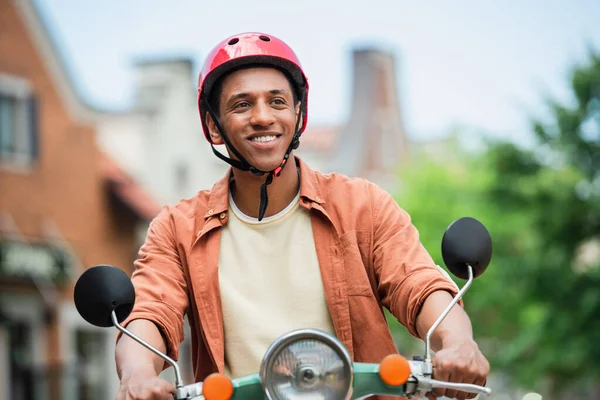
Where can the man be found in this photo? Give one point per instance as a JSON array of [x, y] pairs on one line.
[[275, 246]]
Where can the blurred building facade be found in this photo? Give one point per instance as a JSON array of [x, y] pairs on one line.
[[159, 140], [64, 206], [85, 182], [373, 142]]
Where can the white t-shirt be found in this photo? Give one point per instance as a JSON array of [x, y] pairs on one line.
[[270, 283]]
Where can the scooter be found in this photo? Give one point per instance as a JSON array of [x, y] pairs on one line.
[[306, 363]]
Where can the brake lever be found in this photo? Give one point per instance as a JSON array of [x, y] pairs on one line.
[[421, 371], [192, 392], [428, 384]]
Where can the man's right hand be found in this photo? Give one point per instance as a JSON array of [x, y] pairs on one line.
[[144, 384]]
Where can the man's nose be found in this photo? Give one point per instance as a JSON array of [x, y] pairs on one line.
[[262, 115]]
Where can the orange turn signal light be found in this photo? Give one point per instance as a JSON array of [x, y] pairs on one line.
[[217, 387], [394, 370]]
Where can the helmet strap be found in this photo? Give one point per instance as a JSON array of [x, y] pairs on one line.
[[241, 163], [295, 143]]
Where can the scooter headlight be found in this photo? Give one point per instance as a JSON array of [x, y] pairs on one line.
[[307, 364]]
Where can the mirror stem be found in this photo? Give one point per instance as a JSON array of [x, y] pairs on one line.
[[441, 317], [178, 381]]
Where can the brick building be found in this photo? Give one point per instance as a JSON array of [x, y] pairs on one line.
[[64, 206]]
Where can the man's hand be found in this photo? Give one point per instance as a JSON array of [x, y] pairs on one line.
[[139, 368], [459, 361], [144, 384], [457, 357]]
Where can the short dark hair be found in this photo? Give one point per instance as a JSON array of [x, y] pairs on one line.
[[214, 96]]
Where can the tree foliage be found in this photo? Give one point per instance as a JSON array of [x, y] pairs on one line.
[[537, 307]]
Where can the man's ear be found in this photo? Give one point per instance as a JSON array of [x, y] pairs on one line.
[[214, 133]]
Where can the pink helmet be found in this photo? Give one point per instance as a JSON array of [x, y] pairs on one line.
[[245, 49]]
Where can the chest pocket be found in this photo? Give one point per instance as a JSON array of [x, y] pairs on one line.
[[357, 264]]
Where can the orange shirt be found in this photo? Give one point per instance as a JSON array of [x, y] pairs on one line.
[[369, 255]]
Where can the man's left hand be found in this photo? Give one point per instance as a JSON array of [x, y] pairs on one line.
[[459, 361]]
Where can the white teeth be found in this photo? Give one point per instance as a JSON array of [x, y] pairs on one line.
[[264, 138]]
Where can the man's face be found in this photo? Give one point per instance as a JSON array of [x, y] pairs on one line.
[[258, 114]]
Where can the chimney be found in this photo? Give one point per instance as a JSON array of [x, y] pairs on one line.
[[373, 142]]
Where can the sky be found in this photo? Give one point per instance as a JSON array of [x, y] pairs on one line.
[[482, 64]]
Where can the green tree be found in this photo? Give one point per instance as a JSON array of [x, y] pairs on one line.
[[538, 305], [558, 185], [437, 191]]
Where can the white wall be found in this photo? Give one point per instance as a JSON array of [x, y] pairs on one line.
[[175, 139], [162, 134], [121, 137]]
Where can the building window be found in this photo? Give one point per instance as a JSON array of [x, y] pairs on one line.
[[18, 123], [90, 374], [22, 372]]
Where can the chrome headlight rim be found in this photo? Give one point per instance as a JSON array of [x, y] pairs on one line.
[[289, 338]]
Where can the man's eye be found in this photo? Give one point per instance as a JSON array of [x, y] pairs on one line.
[[242, 104], [278, 101]]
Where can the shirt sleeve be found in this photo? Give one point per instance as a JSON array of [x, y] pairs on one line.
[[406, 274], [160, 284]]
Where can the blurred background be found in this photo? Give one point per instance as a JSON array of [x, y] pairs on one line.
[[486, 109]]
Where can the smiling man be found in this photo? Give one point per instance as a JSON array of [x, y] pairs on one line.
[[276, 246]]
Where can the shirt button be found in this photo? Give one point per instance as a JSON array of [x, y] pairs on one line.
[[223, 215], [318, 199], [210, 212]]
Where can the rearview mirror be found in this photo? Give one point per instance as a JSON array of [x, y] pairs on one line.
[[101, 290], [466, 242]]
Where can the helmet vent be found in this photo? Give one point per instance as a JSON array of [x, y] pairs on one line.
[[233, 41], [264, 38]]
